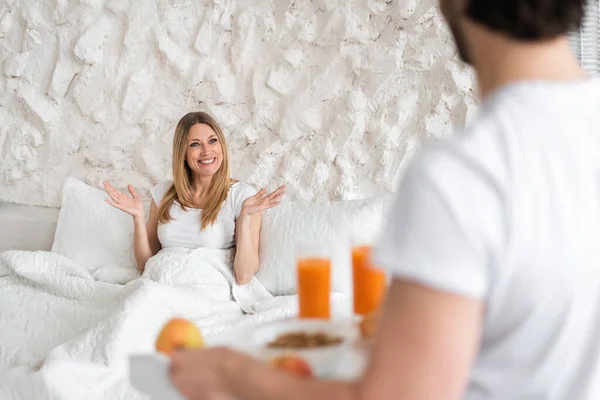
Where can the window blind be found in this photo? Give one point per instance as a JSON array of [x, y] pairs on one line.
[[586, 42]]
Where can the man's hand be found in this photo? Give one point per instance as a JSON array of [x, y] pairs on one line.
[[224, 374], [200, 374]]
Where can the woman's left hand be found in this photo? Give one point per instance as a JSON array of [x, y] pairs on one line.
[[262, 201]]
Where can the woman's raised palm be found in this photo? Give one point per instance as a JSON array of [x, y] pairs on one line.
[[262, 201], [133, 205]]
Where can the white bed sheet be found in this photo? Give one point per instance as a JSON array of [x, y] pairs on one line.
[[67, 332]]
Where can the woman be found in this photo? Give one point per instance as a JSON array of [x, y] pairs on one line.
[[202, 206]]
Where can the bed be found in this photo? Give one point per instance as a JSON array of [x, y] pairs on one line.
[[74, 308]]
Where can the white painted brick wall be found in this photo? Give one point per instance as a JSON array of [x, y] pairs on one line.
[[330, 97]]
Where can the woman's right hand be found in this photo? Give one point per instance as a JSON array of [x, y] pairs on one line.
[[131, 205]]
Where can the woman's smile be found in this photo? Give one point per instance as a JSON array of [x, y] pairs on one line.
[[208, 160]]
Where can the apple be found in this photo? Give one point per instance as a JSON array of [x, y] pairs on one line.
[[293, 364], [178, 333]]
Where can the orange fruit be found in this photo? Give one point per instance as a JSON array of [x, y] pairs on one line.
[[178, 333], [293, 364]]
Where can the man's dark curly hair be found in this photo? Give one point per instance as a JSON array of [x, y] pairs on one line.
[[529, 20]]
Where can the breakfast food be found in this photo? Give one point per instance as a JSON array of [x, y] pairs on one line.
[[178, 333], [293, 364], [301, 340]]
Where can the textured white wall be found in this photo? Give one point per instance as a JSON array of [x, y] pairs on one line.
[[328, 96]]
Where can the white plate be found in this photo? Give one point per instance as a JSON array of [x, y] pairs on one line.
[[323, 360]]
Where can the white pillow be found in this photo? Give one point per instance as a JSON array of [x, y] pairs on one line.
[[91, 231], [330, 224]]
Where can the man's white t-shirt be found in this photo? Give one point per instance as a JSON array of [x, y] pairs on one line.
[[508, 211]]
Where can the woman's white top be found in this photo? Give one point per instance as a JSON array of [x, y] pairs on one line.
[[184, 229]]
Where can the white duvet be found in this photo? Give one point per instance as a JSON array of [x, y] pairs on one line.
[[66, 333]]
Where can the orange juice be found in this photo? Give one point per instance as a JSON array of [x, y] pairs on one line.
[[368, 281], [314, 281]]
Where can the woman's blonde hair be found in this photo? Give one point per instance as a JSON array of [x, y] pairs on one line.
[[181, 190]]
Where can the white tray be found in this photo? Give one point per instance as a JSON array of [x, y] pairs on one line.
[[149, 373]]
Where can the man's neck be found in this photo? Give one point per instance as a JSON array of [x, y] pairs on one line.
[[500, 61]]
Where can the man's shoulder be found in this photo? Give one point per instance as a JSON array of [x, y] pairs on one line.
[[488, 135], [482, 138], [478, 152], [521, 113], [520, 108]]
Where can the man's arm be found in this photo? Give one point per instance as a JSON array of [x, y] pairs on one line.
[[424, 350], [426, 345]]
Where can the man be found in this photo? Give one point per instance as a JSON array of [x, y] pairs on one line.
[[494, 243]]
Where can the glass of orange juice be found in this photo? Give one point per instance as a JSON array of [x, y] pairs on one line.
[[369, 282], [314, 281]]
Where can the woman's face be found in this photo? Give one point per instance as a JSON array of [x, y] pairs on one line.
[[204, 153]]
